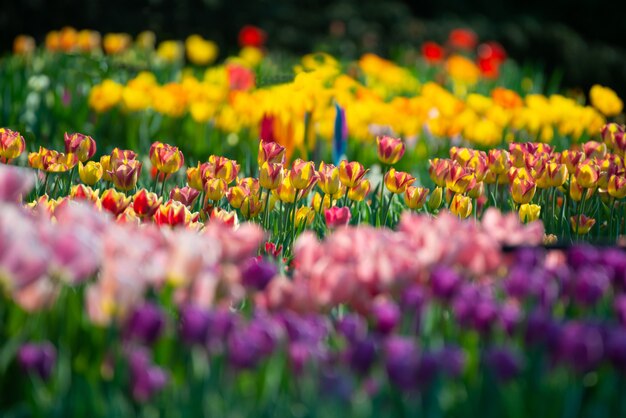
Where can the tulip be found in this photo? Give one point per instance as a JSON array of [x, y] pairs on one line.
[[227, 218], [172, 213], [461, 206], [119, 154], [271, 152], [390, 150], [301, 174], [329, 179], [582, 224], [126, 174], [146, 379], [359, 192], [185, 195], [166, 158], [105, 162], [316, 202], [114, 201], [257, 273], [617, 186], [337, 216], [82, 145], [146, 203], [587, 174], [37, 358], [286, 192], [304, 216], [522, 190], [529, 212], [554, 174], [82, 192], [386, 316], [270, 175], [146, 323], [221, 167], [90, 173], [398, 181], [571, 159], [435, 200], [56, 162], [438, 170], [12, 144], [575, 190], [498, 161], [504, 363], [251, 206], [194, 177], [351, 173], [235, 195], [415, 197], [216, 188], [459, 179]]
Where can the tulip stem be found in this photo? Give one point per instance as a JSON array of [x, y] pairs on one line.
[[163, 187], [612, 203], [266, 214], [156, 182]]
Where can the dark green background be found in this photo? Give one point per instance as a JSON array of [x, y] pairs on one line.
[[583, 38]]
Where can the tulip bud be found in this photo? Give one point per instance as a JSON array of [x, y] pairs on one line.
[[114, 201], [359, 192], [270, 175], [301, 174], [90, 173], [82, 192], [82, 145], [415, 197], [221, 215], [12, 144], [617, 186], [185, 195], [166, 158], [397, 181], [461, 206], [529, 212], [286, 192], [194, 177], [498, 161], [337, 216], [522, 190], [438, 170], [304, 216], [215, 189], [146, 203], [271, 152], [582, 224], [329, 179], [251, 206], [235, 195], [317, 201], [436, 198], [351, 173], [587, 174], [390, 150], [126, 174], [221, 167]]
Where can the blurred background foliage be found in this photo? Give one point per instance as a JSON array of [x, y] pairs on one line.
[[580, 39]]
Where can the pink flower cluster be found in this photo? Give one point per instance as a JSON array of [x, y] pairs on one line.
[[118, 262], [355, 265]]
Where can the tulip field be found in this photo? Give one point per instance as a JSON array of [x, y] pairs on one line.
[[182, 233]]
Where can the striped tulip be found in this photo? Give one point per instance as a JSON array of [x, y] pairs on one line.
[[390, 150]]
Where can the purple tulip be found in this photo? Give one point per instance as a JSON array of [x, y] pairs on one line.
[[37, 358], [582, 256], [504, 363], [580, 346], [336, 385], [620, 308], [528, 258], [146, 378], [614, 259], [146, 323], [221, 324], [485, 314], [257, 273], [540, 328], [362, 355], [194, 324], [427, 368], [510, 317], [451, 360], [299, 355], [616, 348], [445, 282], [386, 316], [401, 361], [352, 326], [590, 285]]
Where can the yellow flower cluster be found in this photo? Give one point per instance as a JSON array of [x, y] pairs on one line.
[[380, 94]]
